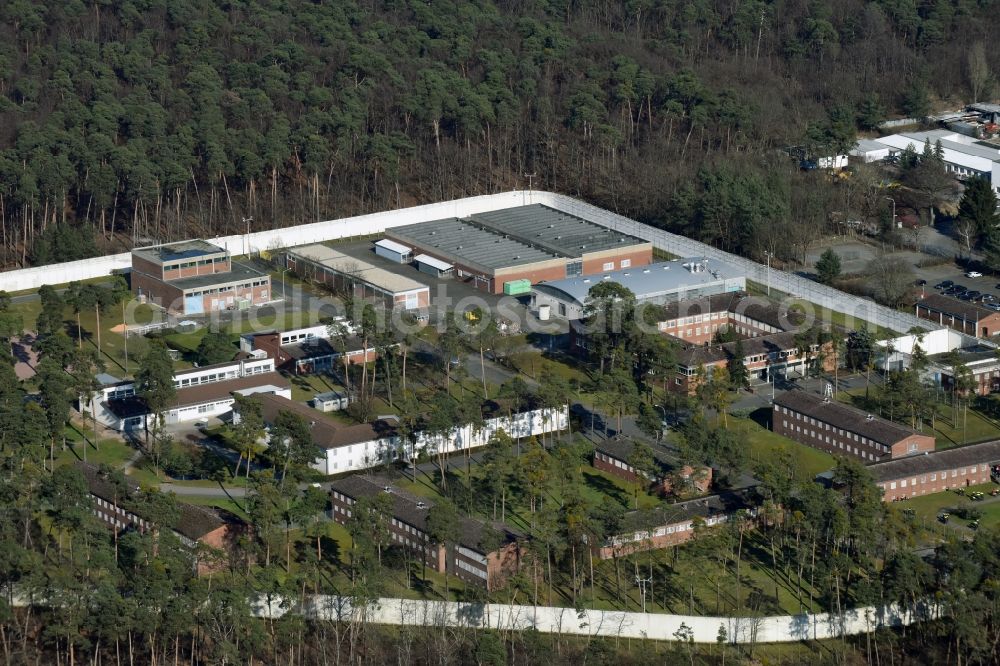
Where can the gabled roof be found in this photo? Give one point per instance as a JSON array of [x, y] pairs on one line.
[[953, 306], [763, 344], [412, 509], [963, 456], [326, 433], [193, 522], [845, 417]]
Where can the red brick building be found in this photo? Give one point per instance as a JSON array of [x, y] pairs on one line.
[[698, 321], [471, 559], [969, 318], [676, 523], [764, 357], [205, 530], [195, 277], [840, 429], [937, 471], [982, 363], [613, 456], [308, 350], [535, 242]]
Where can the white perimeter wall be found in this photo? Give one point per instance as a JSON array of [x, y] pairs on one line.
[[361, 225], [546, 619], [853, 306]]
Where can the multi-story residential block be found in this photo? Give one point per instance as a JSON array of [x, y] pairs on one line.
[[831, 426], [676, 523], [477, 557], [765, 358], [614, 455], [938, 471], [203, 529], [194, 277]]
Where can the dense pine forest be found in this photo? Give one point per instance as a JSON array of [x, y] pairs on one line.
[[161, 119]]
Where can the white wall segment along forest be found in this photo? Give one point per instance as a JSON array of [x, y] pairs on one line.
[[363, 225], [553, 620]]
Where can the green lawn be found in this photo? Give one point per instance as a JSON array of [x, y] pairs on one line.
[[111, 451], [970, 427], [806, 461], [929, 507], [821, 314], [220, 502]]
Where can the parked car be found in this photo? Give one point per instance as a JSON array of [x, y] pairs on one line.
[[945, 284], [987, 298], [973, 274], [970, 295], [920, 283], [808, 165]]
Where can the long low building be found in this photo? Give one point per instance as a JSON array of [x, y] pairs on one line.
[[475, 557], [840, 429], [339, 271], [339, 447], [969, 318], [534, 243], [310, 349], [197, 527], [615, 456], [965, 156], [938, 471], [346, 448], [659, 283], [201, 393], [675, 523]]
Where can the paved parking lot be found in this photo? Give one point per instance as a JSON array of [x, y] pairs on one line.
[[987, 284]]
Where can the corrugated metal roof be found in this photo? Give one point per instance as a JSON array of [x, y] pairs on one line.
[[649, 281]]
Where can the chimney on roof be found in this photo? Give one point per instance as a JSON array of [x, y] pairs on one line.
[[870, 418], [421, 505], [387, 489]]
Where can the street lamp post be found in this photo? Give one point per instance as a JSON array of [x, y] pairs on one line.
[[246, 238], [893, 210], [284, 285], [768, 254], [642, 583]]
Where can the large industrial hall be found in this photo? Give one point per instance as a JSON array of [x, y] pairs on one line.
[[534, 242]]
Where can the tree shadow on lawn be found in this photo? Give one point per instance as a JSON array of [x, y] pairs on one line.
[[606, 487]]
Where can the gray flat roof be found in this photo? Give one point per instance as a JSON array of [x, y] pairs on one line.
[[357, 269], [554, 230], [239, 273], [649, 281], [462, 242], [188, 249]]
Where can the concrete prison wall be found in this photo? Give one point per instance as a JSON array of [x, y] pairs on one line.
[[363, 225], [547, 619]]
